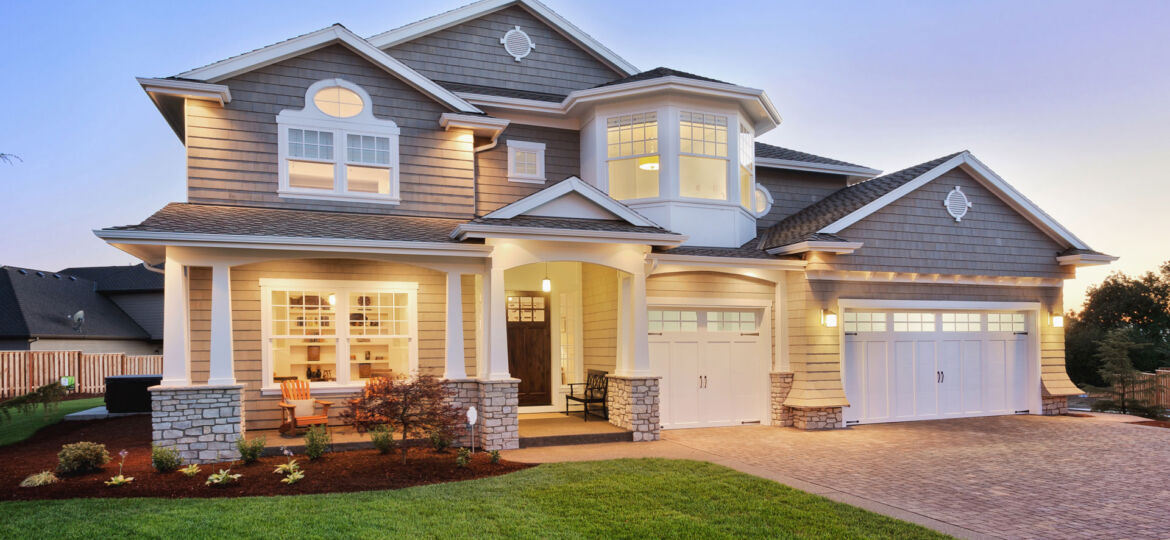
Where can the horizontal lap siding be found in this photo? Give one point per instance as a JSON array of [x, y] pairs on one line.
[[232, 151], [471, 53], [562, 156], [794, 190], [916, 234], [261, 412], [599, 314]]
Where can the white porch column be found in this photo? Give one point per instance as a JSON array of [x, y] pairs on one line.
[[780, 314], [176, 340], [455, 359], [222, 369], [625, 350], [640, 327], [497, 325]]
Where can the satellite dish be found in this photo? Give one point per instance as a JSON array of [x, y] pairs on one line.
[[77, 319]]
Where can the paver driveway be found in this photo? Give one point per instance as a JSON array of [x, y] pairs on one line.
[[1012, 476]]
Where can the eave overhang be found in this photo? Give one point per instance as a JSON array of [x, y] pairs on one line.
[[1086, 259], [170, 95], [860, 172], [468, 231], [838, 248]]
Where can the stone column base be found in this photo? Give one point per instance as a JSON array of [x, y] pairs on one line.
[[201, 422], [781, 385], [499, 410], [1054, 405], [464, 395], [816, 418], [633, 405]]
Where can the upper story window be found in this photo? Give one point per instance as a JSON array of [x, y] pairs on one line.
[[334, 148], [632, 154], [702, 156], [526, 162], [762, 201], [747, 168]]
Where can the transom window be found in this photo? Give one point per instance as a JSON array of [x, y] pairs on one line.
[[524, 307], [702, 156], [632, 153], [338, 333], [526, 162], [1006, 322], [336, 149]]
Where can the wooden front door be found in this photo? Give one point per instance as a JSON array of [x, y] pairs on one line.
[[530, 346]]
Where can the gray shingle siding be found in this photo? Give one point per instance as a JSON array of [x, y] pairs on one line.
[[562, 155], [916, 234], [471, 53], [794, 190], [232, 152]]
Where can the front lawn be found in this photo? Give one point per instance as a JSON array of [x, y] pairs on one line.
[[620, 498], [22, 426]]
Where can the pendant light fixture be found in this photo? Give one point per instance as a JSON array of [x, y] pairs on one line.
[[546, 283]]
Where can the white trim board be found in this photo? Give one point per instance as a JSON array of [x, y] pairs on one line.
[[563, 188], [773, 163], [840, 248], [478, 230], [186, 89], [466, 13], [981, 174], [861, 303], [932, 279], [700, 302], [337, 33]]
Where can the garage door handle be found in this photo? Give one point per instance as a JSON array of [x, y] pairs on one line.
[[943, 374], [938, 376]]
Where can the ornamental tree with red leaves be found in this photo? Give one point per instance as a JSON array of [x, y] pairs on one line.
[[416, 406]]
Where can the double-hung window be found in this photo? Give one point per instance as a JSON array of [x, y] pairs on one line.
[[632, 154], [334, 148], [702, 156], [747, 169]]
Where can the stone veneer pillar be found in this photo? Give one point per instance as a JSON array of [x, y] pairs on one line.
[[1054, 405], [499, 409], [814, 418], [201, 422], [781, 385], [633, 405], [464, 394]]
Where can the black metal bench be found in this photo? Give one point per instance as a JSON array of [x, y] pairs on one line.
[[596, 388]]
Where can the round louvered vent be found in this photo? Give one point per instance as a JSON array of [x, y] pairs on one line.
[[957, 203], [517, 43]]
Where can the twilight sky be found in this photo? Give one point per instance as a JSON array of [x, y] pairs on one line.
[[1069, 101]]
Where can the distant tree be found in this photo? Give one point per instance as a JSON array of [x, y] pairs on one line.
[[1128, 391], [8, 158], [1140, 304]]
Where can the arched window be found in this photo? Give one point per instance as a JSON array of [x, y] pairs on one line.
[[334, 148]]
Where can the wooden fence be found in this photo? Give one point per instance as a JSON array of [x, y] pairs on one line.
[[24, 371], [1154, 388]]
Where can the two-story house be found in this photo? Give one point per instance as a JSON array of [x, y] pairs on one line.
[[492, 196]]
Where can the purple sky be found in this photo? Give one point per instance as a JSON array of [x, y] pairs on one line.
[[1069, 101]]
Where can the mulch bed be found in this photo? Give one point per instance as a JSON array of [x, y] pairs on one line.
[[1155, 423], [356, 470]]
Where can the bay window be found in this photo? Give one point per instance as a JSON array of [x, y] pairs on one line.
[[632, 154], [702, 156], [747, 167], [338, 333]]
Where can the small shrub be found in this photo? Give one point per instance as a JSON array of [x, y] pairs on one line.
[[120, 479], [287, 468], [316, 442], [293, 477], [463, 458], [411, 407], [250, 450], [82, 457], [494, 457], [190, 470], [440, 441], [42, 478], [164, 459], [222, 478], [382, 438]]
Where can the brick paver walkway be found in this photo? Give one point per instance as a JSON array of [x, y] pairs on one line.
[[1011, 477]]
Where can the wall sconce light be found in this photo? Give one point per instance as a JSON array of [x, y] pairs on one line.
[[1056, 320], [546, 283], [828, 318]]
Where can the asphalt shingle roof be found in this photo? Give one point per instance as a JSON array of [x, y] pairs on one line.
[[658, 73], [803, 225], [133, 278], [769, 151], [39, 304]]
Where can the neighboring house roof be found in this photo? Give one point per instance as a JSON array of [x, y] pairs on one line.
[[466, 13], [658, 73], [117, 279], [38, 304], [464, 88]]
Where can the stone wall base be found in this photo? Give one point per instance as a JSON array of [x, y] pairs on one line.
[[781, 385], [816, 418], [499, 415], [1054, 405], [201, 422], [633, 405]]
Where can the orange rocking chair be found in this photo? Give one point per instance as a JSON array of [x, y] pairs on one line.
[[297, 408]]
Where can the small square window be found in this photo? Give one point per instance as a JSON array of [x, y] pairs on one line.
[[526, 162]]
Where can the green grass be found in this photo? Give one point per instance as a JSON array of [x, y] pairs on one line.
[[625, 498], [21, 426]]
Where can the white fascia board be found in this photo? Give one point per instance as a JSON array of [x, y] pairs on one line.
[[1086, 259], [466, 13], [840, 248], [766, 116], [290, 243], [482, 126], [772, 163], [536, 106], [739, 262], [186, 89], [859, 303], [564, 187], [479, 230], [243, 63]]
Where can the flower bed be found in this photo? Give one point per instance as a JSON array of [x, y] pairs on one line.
[[357, 470]]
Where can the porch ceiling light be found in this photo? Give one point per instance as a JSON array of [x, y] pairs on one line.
[[546, 283], [828, 318]]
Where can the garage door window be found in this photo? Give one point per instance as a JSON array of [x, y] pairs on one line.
[[864, 322], [914, 322], [962, 322], [1005, 322], [673, 320], [732, 321]]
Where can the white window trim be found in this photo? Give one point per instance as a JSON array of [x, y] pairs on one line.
[[730, 166], [364, 123], [513, 176], [659, 115], [341, 288], [769, 201]]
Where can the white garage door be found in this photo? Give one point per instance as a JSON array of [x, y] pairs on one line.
[[714, 366], [919, 365]]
